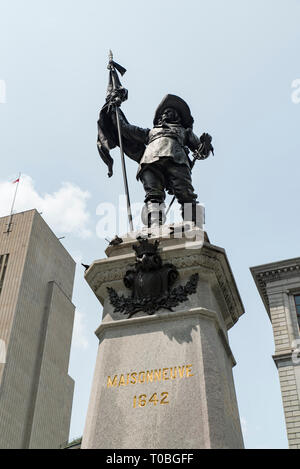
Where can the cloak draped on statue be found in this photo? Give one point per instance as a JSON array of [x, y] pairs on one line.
[[108, 137]]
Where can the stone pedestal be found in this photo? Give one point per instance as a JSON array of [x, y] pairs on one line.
[[165, 380]]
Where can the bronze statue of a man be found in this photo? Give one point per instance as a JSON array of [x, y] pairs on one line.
[[165, 165], [162, 152]]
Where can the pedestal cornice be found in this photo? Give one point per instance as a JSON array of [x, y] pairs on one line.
[[208, 258]]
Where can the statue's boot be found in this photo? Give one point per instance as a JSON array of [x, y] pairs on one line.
[[192, 212], [155, 214]]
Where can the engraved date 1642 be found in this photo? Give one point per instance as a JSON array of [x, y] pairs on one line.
[[142, 400]]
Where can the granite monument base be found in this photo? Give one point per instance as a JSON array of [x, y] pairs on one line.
[[165, 380]]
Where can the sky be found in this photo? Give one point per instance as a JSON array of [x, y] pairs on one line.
[[237, 65]]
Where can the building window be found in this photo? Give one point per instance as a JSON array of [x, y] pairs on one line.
[[3, 267], [297, 301]]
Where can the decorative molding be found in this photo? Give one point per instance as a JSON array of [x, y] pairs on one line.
[[130, 305], [166, 316], [207, 258], [273, 273], [283, 359]]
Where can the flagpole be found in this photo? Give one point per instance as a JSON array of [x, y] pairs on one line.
[[13, 204], [124, 172], [129, 213]]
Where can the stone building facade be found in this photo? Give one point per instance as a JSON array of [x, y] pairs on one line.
[[279, 286]]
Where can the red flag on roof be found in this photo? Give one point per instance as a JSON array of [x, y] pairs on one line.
[[17, 180]]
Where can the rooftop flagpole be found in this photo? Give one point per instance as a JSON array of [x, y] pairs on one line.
[[17, 181]]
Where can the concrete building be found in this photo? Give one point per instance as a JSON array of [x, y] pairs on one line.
[[279, 286], [36, 322]]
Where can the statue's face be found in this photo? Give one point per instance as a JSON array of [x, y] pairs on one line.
[[170, 115]]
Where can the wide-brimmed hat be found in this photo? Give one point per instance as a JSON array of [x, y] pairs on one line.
[[170, 100]]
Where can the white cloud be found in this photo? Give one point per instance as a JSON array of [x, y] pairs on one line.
[[79, 339], [64, 210]]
